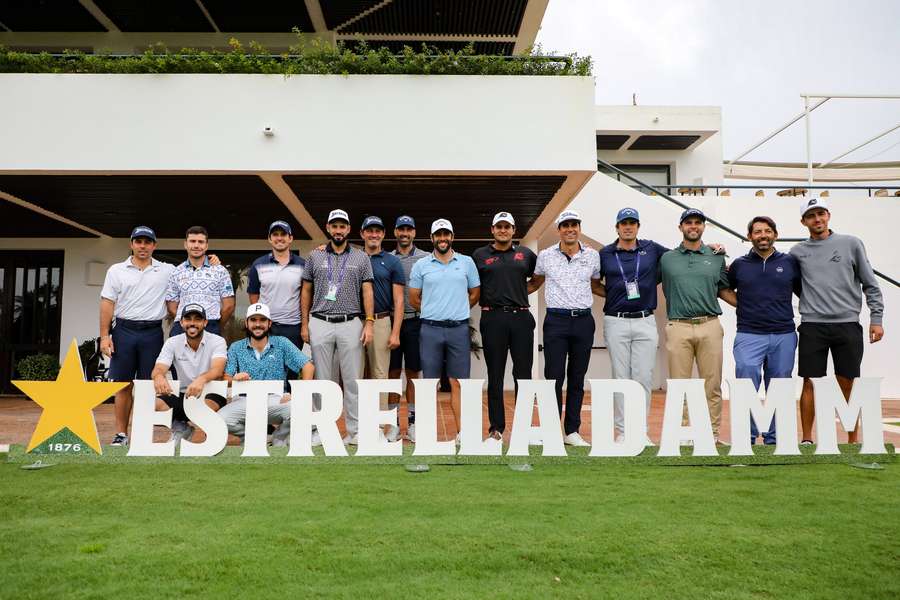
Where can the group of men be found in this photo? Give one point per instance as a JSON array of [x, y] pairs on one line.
[[361, 308]]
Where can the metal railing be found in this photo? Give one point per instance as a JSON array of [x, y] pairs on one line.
[[718, 224], [693, 186]]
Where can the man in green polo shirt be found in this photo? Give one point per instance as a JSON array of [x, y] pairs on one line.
[[692, 277]]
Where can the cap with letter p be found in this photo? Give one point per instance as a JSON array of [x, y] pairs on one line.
[[193, 309], [372, 221], [441, 224], [812, 203], [626, 214], [505, 217], [338, 215], [259, 309], [568, 215], [142, 231], [283, 225]]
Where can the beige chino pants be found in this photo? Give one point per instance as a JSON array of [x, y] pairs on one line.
[[378, 354], [687, 342]]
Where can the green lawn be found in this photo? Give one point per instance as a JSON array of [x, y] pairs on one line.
[[369, 531]]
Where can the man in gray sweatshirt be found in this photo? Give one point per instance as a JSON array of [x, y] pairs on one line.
[[834, 268]]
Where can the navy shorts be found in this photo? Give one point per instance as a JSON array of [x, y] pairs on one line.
[[176, 403], [291, 332], [407, 353], [438, 345], [135, 351], [212, 326]]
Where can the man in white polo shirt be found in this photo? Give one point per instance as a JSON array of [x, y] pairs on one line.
[[132, 307], [572, 272], [199, 357]]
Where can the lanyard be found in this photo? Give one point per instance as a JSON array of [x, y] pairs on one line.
[[341, 272], [637, 266]]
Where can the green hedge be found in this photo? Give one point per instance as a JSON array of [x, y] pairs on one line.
[[317, 57], [38, 367]]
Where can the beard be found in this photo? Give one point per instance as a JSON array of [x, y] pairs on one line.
[[442, 248], [259, 336], [337, 238]]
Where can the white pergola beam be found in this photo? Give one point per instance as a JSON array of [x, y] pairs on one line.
[[290, 200], [50, 214], [363, 14], [99, 15], [855, 148]]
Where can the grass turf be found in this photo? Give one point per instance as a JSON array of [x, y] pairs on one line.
[[581, 531]]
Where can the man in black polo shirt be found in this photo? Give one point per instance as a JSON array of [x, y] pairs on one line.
[[507, 325]]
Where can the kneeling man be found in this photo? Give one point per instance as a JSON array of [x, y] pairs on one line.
[[199, 357], [263, 357]]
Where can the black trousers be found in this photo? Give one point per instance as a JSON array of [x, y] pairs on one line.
[[505, 333], [569, 338]]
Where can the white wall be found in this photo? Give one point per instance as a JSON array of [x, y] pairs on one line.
[[331, 123], [871, 219]]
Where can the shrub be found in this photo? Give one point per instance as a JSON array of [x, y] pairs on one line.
[[38, 367]]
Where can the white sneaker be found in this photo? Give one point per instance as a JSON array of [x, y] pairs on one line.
[[411, 433], [686, 442], [381, 437], [721, 442], [279, 442], [316, 439], [393, 433], [350, 440], [620, 438], [648, 441], [458, 440], [574, 439], [181, 431]]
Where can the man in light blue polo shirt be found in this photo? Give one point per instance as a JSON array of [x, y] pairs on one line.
[[444, 287]]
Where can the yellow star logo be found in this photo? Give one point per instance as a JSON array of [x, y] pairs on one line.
[[68, 402]]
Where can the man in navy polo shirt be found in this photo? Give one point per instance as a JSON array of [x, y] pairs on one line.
[[275, 280], [389, 281], [445, 286], [765, 280], [629, 268]]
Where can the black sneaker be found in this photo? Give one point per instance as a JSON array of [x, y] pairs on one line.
[[120, 440]]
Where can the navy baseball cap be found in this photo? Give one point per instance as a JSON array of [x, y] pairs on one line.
[[405, 220], [284, 225], [627, 213], [372, 221], [144, 232], [194, 309], [692, 212]]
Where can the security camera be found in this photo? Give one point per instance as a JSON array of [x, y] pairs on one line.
[[268, 132]]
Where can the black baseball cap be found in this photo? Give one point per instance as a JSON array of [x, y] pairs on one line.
[[692, 212], [195, 309]]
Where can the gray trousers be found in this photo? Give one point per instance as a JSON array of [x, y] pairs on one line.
[[235, 416], [632, 353], [338, 356]]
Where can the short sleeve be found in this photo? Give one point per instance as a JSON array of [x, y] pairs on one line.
[[539, 266], [173, 292], [309, 269], [225, 278], [293, 358], [596, 273], [660, 249], [231, 365], [723, 282], [732, 275], [472, 274], [366, 273], [167, 354], [532, 261], [219, 348], [111, 286], [415, 276], [253, 284], [397, 274]]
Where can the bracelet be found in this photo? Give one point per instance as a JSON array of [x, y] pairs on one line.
[[368, 318]]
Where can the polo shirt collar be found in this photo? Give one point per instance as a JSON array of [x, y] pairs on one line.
[[202, 341], [704, 249], [559, 248], [129, 262], [495, 251], [640, 244], [293, 259], [412, 251], [435, 258], [379, 254], [330, 248], [752, 255], [187, 263], [264, 350]]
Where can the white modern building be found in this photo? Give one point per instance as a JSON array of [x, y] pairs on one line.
[[87, 157]]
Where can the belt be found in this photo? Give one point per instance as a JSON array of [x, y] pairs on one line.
[[139, 324], [382, 315], [335, 318], [411, 315], [631, 315], [509, 309], [447, 323], [570, 312], [696, 320]]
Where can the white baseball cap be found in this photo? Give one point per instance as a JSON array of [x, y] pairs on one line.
[[503, 216], [259, 309], [812, 203], [568, 215], [441, 224], [338, 214]]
